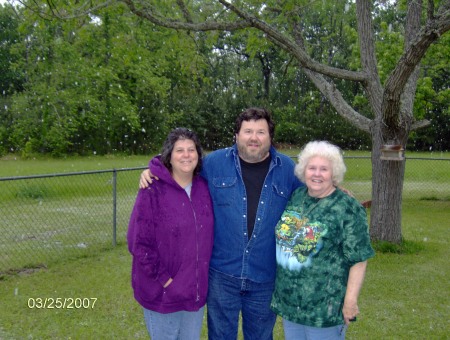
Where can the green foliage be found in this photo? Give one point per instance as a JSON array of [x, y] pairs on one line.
[[79, 96], [3, 136], [11, 80], [389, 47], [33, 192], [317, 123], [31, 148], [435, 198], [432, 98], [113, 82]]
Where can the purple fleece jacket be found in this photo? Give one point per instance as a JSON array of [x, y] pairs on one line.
[[170, 236]]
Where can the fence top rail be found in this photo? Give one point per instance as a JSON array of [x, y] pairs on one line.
[[406, 157], [70, 173], [429, 159], [145, 167]]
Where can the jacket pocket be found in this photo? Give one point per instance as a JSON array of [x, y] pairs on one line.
[[281, 191], [279, 198], [179, 291], [225, 191]]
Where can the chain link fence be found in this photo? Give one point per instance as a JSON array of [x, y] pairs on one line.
[[48, 217]]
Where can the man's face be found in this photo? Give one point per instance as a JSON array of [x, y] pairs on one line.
[[253, 140]]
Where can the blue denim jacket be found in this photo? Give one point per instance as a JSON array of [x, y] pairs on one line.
[[233, 253]]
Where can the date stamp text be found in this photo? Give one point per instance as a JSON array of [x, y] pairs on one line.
[[61, 303]]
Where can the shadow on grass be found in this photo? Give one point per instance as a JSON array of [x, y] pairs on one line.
[[405, 247]]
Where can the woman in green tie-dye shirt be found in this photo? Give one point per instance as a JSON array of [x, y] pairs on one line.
[[322, 249]]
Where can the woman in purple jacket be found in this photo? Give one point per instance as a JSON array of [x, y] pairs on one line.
[[170, 236]]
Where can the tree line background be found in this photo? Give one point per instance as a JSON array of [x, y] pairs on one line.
[[113, 82]]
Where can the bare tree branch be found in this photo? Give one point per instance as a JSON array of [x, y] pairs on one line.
[[329, 90], [184, 10], [414, 52], [420, 124], [84, 9], [335, 97], [369, 62], [430, 10], [290, 46], [146, 12]]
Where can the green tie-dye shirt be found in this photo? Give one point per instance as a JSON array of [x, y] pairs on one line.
[[314, 256]]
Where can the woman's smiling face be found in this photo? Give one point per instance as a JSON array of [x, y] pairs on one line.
[[319, 177], [184, 157]]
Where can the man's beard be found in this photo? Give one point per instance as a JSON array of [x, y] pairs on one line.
[[253, 157]]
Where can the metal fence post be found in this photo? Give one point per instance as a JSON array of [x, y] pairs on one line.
[[114, 231]]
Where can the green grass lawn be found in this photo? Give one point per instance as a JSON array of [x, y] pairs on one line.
[[16, 166], [405, 296]]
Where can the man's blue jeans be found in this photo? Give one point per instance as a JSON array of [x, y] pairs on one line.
[[227, 296]]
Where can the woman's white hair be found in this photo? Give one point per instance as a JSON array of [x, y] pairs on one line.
[[326, 150]]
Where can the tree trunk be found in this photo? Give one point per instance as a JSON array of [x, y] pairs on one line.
[[266, 72], [387, 175], [387, 190]]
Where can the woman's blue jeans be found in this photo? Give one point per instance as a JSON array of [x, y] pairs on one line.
[[174, 326], [227, 297], [295, 331]]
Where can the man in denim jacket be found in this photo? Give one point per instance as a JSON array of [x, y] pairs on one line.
[[250, 184]]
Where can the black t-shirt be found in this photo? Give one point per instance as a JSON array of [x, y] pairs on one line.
[[254, 175]]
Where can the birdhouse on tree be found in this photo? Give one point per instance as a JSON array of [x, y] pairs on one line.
[[392, 152]]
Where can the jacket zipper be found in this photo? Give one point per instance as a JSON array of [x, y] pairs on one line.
[[197, 298]]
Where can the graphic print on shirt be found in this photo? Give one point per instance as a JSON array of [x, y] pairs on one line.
[[298, 240]]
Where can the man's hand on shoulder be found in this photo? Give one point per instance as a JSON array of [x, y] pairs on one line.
[[146, 179]]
